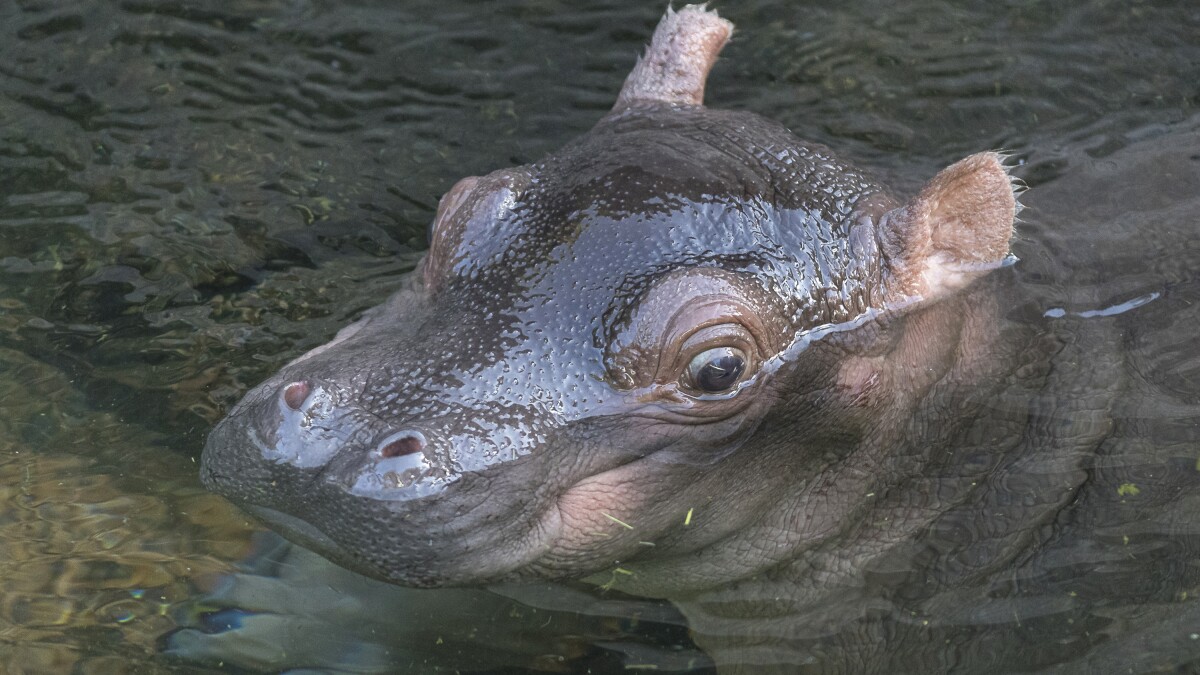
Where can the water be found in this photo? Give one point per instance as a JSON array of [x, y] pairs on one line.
[[193, 193]]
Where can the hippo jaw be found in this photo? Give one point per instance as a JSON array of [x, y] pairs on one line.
[[621, 354]]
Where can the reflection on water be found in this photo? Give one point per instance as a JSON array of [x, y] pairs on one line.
[[193, 193], [100, 535]]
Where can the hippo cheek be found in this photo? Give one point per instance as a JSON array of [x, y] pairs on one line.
[[594, 511], [640, 507]]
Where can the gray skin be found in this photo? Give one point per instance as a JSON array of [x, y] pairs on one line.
[[540, 401]]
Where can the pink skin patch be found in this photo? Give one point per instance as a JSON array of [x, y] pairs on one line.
[[859, 380]]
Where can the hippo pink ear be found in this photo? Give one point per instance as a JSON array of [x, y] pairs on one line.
[[954, 230], [676, 64], [474, 211]]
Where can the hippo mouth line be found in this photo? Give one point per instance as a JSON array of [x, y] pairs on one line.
[[293, 527]]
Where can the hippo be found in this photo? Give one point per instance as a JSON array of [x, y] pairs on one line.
[[691, 356]]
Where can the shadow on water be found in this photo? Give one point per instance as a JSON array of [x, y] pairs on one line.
[[191, 194]]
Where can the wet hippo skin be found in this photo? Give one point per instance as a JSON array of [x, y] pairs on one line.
[[691, 356]]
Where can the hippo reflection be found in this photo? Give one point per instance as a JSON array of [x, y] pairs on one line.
[[690, 356]]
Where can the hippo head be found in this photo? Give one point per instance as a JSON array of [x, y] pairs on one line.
[[630, 349]]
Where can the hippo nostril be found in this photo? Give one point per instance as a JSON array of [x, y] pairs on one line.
[[407, 444], [295, 394]]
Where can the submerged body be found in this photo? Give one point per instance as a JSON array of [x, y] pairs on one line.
[[691, 356]]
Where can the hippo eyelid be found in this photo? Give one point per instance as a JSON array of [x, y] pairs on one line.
[[689, 311]]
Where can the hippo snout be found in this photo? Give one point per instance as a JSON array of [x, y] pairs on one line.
[[309, 430]]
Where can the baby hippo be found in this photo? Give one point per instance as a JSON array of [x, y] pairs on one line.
[[687, 356]]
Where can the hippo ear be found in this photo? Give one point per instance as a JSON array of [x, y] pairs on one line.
[[673, 71], [954, 230], [473, 212]]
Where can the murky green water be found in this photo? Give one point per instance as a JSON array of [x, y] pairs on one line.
[[193, 193]]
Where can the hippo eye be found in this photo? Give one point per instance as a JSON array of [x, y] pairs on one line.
[[716, 370]]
